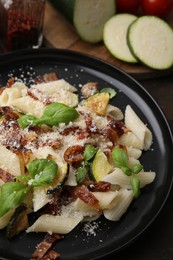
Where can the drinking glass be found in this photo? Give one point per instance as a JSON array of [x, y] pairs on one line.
[[21, 24]]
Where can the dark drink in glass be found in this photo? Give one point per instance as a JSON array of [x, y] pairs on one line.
[[21, 24]]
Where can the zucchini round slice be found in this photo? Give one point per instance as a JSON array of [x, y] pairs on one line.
[[115, 36], [88, 17], [151, 40], [100, 166]]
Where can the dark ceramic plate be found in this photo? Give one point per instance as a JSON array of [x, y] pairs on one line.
[[110, 237]]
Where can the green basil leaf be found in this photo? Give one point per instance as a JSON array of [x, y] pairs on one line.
[[127, 171], [23, 179], [26, 120], [12, 195], [112, 93], [120, 157], [135, 183], [81, 175], [136, 168], [42, 171], [89, 152], [57, 113]]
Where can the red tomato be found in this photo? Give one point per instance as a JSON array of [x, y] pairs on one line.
[[159, 8], [127, 6]]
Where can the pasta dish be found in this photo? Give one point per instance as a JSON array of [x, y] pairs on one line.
[[68, 155]]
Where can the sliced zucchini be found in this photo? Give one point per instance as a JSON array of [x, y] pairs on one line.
[[100, 166], [98, 103], [88, 17], [151, 40], [18, 222], [115, 36]]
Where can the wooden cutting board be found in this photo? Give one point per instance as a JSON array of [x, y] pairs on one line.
[[58, 33]]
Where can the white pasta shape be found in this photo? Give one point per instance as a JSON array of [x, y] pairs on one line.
[[114, 214], [85, 209], [10, 162], [21, 87], [133, 152], [40, 197], [55, 86], [8, 96], [135, 124], [118, 177], [28, 105], [106, 199], [55, 224], [130, 139], [114, 112]]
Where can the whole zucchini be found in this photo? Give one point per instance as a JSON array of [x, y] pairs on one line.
[[87, 16]]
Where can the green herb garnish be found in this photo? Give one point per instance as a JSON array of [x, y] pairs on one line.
[[53, 115], [41, 172], [121, 159], [83, 170], [112, 93]]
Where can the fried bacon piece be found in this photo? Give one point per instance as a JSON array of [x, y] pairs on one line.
[[114, 130], [89, 89], [85, 195], [9, 113], [47, 77], [51, 255], [74, 154], [101, 186], [6, 176], [44, 251]]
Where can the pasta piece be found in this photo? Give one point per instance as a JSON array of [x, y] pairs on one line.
[[58, 91], [107, 199], [40, 197], [85, 209], [6, 218], [8, 96], [21, 87], [125, 199], [118, 177], [131, 140], [146, 178], [134, 152], [135, 124], [55, 86], [55, 224], [28, 105], [10, 162], [114, 112]]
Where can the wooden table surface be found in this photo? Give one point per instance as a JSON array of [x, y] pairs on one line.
[[157, 242], [58, 33]]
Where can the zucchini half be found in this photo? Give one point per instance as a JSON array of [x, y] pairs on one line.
[[151, 40], [115, 36], [88, 16]]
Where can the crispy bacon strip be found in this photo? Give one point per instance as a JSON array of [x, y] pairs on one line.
[[6, 176], [44, 248], [74, 154], [84, 194], [89, 89], [47, 77], [101, 186], [9, 113], [114, 130], [51, 255]]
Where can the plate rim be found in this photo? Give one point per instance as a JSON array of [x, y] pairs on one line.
[[47, 51]]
